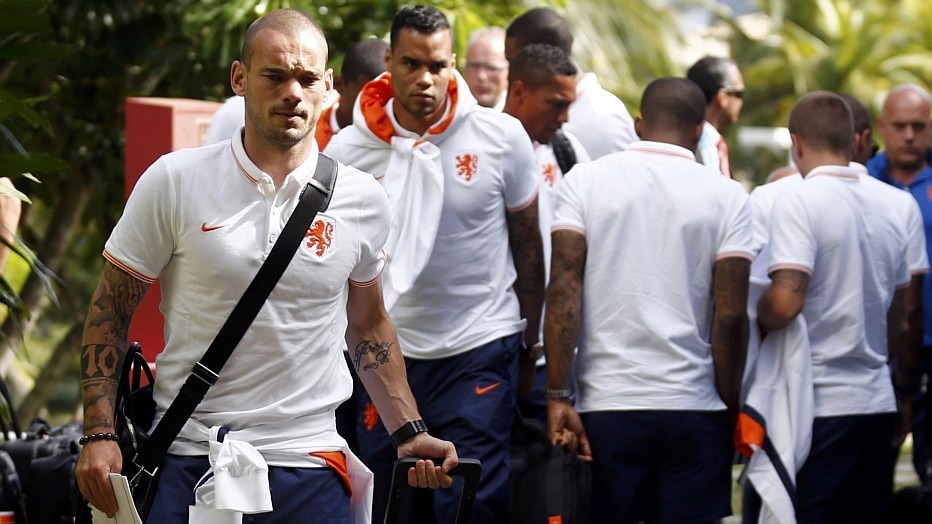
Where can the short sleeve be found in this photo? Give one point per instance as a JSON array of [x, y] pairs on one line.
[[738, 233], [373, 225], [143, 240], [792, 241], [916, 254], [520, 167], [568, 211]]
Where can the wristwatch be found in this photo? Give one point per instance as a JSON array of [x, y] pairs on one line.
[[559, 394], [408, 430]]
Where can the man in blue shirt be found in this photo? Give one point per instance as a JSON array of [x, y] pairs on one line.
[[906, 162]]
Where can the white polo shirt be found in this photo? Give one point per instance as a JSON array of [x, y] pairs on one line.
[[839, 231], [599, 119], [463, 296], [761, 201], [655, 223], [203, 221], [902, 203], [549, 177]]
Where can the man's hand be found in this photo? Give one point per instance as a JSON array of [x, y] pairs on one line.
[[425, 473], [98, 459], [562, 420], [904, 424]]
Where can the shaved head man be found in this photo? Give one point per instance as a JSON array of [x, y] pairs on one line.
[[486, 70], [906, 163], [651, 254]]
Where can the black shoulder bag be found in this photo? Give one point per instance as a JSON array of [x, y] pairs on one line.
[[141, 460], [563, 151]]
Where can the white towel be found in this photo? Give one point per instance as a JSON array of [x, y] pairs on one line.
[[236, 483], [413, 176], [413, 182], [779, 400]]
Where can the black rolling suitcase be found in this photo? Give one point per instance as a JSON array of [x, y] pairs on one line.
[[469, 469]]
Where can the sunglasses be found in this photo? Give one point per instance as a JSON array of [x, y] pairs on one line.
[[737, 93]]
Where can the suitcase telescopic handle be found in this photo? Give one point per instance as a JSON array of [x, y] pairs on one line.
[[469, 469]]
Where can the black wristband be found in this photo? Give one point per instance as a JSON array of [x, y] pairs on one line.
[[408, 430], [98, 436]]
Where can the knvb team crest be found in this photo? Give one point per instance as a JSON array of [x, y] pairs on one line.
[[319, 238], [550, 174], [467, 167]]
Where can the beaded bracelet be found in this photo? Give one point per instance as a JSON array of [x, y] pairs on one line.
[[98, 436]]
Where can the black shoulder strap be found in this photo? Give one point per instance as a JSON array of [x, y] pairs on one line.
[[315, 197], [563, 150]]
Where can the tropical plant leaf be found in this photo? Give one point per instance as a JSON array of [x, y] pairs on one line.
[[15, 164]]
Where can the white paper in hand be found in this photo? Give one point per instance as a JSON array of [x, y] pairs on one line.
[[126, 510]]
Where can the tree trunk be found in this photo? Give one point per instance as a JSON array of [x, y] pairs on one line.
[[54, 369], [62, 225]]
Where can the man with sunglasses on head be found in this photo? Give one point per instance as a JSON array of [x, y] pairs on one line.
[[723, 87]]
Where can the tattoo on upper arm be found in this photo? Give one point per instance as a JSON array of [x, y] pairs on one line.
[[117, 297], [791, 279], [379, 355]]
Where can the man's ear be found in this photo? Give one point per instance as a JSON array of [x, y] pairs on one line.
[[639, 126], [518, 90], [388, 59], [238, 78], [697, 131], [721, 98], [797, 147]]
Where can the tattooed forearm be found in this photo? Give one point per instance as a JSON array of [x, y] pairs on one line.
[[524, 237], [105, 331], [369, 355], [730, 326], [564, 306], [99, 396], [100, 360]]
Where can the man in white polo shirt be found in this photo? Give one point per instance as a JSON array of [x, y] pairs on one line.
[[839, 258], [464, 252], [202, 221], [542, 86], [598, 118], [649, 277]]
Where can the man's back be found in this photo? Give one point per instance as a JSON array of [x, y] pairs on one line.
[[835, 227], [655, 224]]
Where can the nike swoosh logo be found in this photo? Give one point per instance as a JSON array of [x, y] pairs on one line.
[[482, 390], [207, 229]]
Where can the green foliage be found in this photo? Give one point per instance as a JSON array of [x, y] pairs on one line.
[[861, 48]]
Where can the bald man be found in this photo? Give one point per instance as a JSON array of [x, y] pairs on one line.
[[906, 162], [486, 70], [838, 258], [651, 255]]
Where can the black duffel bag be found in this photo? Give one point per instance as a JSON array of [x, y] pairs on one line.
[[547, 483]]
